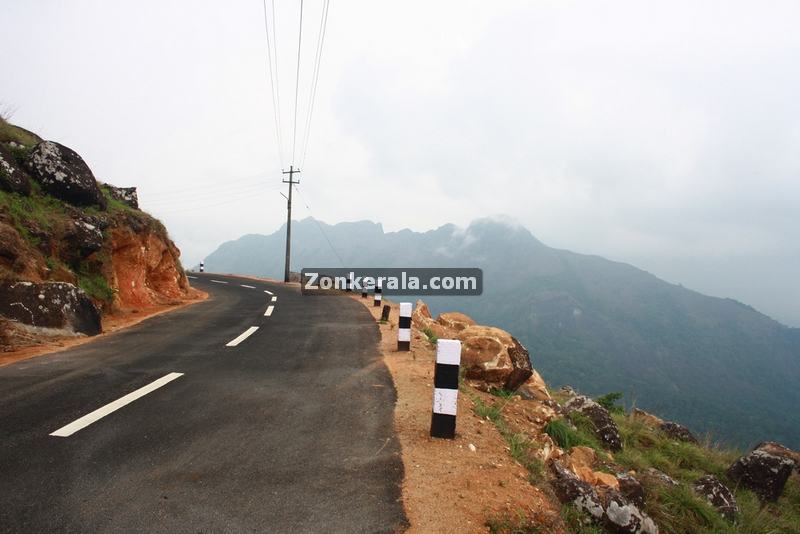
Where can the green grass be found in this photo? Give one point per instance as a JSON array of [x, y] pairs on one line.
[[9, 132], [432, 338], [678, 509], [518, 524], [42, 211], [609, 402], [577, 522], [567, 437], [95, 285]]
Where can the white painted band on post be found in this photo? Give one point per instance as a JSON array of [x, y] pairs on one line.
[[448, 351], [445, 401], [404, 334]]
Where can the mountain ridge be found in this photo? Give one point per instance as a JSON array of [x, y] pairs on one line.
[[713, 363]]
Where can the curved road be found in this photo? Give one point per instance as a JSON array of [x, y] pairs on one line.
[[165, 427]]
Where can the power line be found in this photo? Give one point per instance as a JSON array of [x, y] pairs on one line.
[[321, 230], [297, 81], [273, 79], [323, 24]]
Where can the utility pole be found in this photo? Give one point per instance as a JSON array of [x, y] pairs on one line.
[[291, 172]]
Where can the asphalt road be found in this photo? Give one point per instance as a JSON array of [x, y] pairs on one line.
[[288, 431]]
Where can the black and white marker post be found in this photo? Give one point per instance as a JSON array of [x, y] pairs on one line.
[[378, 294], [445, 392], [404, 327], [202, 266]]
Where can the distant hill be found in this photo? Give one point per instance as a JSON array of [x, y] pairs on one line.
[[714, 364]]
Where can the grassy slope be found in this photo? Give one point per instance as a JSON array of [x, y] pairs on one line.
[[679, 509]]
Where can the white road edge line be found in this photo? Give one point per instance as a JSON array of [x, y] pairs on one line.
[[219, 282], [268, 292], [247, 333], [111, 407], [192, 277], [269, 311], [248, 287], [274, 299]]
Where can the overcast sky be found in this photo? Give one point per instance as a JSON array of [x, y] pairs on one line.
[[664, 134]]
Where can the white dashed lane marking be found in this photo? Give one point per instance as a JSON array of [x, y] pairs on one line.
[[219, 282], [247, 333], [248, 287], [269, 311], [98, 414], [274, 299], [192, 277], [268, 292]]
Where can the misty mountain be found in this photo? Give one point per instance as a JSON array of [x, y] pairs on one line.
[[714, 364]]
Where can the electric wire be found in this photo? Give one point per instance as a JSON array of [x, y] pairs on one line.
[[297, 82], [323, 24], [321, 230], [274, 88]]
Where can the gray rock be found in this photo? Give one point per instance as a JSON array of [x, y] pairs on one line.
[[766, 474], [678, 432], [605, 428], [631, 489], [718, 495], [64, 174], [776, 449], [12, 178], [623, 516], [126, 195], [609, 508], [84, 237], [50, 305]]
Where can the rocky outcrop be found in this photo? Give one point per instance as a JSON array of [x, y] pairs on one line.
[[49, 305], [605, 428], [455, 321], [718, 495], [677, 432], [146, 265], [521, 369], [607, 507], [63, 174], [659, 477], [12, 178], [18, 257], [126, 195], [764, 473]]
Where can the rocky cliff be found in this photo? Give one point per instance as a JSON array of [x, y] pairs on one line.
[[73, 249]]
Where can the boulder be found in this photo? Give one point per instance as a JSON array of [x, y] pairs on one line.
[[455, 321], [83, 238], [64, 174], [764, 473], [50, 305], [421, 314], [572, 490], [631, 489], [677, 432], [647, 418], [126, 195], [776, 449], [605, 428], [605, 506], [12, 178], [718, 495], [484, 354]]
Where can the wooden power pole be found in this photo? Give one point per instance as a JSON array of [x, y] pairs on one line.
[[291, 172]]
